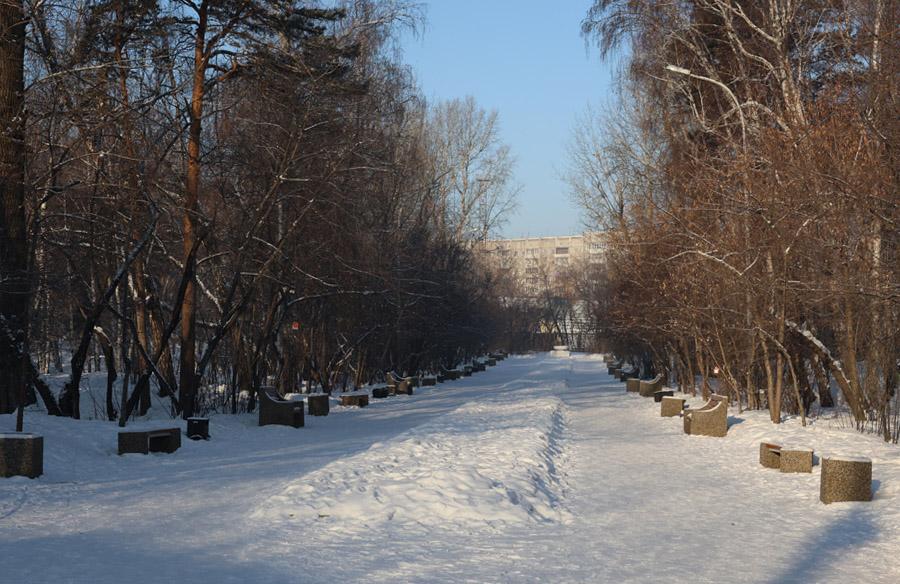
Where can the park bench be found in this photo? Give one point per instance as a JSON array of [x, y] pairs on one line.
[[845, 478], [614, 368], [709, 420], [451, 374], [357, 399], [198, 428], [21, 454], [381, 392], [401, 385], [648, 388], [145, 441], [274, 410], [786, 459], [429, 380], [318, 404], [671, 406], [660, 394]]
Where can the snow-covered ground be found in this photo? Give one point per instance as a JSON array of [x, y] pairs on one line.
[[542, 469]]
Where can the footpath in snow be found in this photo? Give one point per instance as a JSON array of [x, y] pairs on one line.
[[542, 469]]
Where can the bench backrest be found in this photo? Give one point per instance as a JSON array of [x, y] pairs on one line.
[[270, 394]]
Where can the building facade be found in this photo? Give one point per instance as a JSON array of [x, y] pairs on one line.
[[539, 264]]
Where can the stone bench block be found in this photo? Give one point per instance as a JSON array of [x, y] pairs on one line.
[[671, 406], [166, 440], [21, 454], [198, 428], [658, 395], [770, 455], [846, 479], [355, 399], [318, 404], [796, 460]]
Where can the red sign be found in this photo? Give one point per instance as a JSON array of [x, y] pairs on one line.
[[295, 326]]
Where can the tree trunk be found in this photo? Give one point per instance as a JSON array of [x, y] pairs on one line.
[[15, 289], [188, 357]]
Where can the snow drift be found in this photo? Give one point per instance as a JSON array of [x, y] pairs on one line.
[[484, 465]]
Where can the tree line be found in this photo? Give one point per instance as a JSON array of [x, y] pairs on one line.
[[210, 195], [747, 183]]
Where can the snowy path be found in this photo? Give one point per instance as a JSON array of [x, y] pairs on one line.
[[538, 470]]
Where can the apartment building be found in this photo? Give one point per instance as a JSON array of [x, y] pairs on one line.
[[541, 263]]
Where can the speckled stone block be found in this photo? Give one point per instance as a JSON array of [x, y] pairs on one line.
[[846, 479], [21, 454], [796, 460], [770, 455], [671, 406], [633, 385]]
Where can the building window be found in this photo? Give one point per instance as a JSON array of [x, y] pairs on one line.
[[562, 251]]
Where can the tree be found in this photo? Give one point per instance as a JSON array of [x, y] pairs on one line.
[[15, 281], [472, 169]]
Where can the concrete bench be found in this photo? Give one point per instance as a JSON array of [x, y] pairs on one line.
[[318, 404], [198, 428], [658, 395], [397, 384], [671, 406], [381, 392], [770, 455], [429, 380], [146, 441], [633, 385], [276, 411], [845, 479], [709, 420], [796, 459], [21, 455], [355, 399], [785, 458], [626, 374], [648, 388]]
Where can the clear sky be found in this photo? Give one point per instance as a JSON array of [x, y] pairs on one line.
[[527, 59]]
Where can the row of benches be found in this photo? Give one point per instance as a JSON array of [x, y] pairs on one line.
[[842, 478]]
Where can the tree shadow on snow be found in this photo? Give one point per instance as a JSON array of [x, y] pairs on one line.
[[815, 559]]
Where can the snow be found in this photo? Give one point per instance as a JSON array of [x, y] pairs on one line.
[[480, 467], [541, 469], [15, 436]]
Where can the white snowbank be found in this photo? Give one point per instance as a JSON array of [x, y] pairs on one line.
[[483, 465]]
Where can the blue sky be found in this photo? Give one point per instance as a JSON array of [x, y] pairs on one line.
[[527, 59]]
